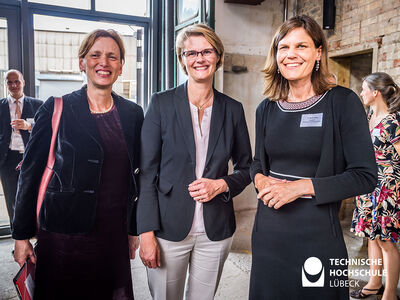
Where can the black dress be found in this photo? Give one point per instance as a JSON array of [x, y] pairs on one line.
[[285, 238], [95, 265]]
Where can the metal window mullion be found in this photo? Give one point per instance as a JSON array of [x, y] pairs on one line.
[[28, 52]]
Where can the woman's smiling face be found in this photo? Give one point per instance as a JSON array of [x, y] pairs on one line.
[[296, 55], [102, 64], [200, 68]]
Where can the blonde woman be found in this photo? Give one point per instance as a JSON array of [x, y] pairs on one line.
[[185, 207]]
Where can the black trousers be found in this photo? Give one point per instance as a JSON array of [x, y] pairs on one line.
[[9, 179]]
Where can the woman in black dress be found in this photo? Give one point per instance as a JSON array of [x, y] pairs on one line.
[[86, 224], [312, 150]]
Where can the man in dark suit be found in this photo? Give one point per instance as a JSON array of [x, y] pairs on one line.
[[16, 120]]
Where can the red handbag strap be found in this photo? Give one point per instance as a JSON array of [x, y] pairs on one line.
[[55, 121]]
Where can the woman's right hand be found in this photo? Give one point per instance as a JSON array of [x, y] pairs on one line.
[[22, 251], [150, 250], [261, 181]]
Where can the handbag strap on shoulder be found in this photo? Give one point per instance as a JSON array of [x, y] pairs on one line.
[[55, 122]]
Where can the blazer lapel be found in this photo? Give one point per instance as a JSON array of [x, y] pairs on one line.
[[126, 123], [217, 120], [80, 108], [27, 109], [184, 118], [5, 113]]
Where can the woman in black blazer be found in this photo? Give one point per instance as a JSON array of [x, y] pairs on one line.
[[87, 226], [185, 210], [313, 150]]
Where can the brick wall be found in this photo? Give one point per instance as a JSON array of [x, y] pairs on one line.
[[363, 25]]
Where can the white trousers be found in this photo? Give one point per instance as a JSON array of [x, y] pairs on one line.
[[205, 260]]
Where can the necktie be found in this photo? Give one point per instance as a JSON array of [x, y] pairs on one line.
[[17, 112]]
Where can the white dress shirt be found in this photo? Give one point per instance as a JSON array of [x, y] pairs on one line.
[[16, 143], [201, 135]]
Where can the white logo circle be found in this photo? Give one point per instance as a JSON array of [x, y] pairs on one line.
[[313, 265]]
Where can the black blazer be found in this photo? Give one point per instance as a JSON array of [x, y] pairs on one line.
[[31, 105], [70, 201], [169, 160]]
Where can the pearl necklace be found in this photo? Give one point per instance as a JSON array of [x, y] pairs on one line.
[[103, 112]]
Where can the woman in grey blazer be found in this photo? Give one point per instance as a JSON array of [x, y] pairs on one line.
[[185, 211]]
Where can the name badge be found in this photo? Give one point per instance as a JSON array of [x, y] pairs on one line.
[[311, 120], [376, 132]]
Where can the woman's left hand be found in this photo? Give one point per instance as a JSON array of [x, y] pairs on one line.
[[285, 192], [133, 245], [204, 189]]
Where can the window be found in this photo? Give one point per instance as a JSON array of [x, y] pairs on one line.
[[187, 9], [3, 56], [57, 42], [131, 7], [83, 4]]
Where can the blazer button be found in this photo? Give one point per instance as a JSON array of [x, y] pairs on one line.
[[136, 171]]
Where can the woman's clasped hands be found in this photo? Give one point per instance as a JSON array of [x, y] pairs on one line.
[[204, 189], [275, 192]]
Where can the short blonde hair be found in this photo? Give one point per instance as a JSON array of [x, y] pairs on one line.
[[276, 86], [199, 30], [91, 38]]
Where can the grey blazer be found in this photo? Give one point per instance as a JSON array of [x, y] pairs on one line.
[[168, 161]]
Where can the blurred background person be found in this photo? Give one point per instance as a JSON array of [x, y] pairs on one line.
[[312, 151], [16, 120], [83, 246], [377, 215], [185, 208]]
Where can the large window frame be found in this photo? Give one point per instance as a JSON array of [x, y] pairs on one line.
[[151, 39]]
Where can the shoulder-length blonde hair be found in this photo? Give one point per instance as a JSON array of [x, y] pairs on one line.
[[207, 33], [276, 86]]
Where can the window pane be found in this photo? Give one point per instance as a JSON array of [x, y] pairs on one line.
[[131, 7], [83, 4], [4, 221], [182, 77], [57, 42], [3, 56], [187, 9]]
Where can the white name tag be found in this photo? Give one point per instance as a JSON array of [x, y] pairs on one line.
[[376, 132], [311, 120]]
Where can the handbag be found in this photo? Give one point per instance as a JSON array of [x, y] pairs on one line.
[[24, 281]]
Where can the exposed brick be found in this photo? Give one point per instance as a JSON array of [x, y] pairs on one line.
[[363, 24]]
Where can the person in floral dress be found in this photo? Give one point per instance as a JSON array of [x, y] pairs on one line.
[[377, 215]]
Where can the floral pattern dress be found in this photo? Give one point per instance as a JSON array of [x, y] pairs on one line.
[[377, 215]]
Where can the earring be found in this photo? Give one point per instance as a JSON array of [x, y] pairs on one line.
[[277, 71], [317, 66]]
